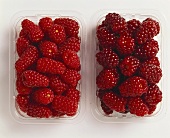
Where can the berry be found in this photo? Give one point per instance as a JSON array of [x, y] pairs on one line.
[[133, 86], [48, 49], [57, 85], [28, 58], [34, 79], [151, 73], [24, 34], [57, 34], [152, 61], [137, 106], [106, 38], [27, 24], [47, 65], [43, 96], [64, 105], [22, 101], [71, 77], [125, 45], [72, 44], [21, 45], [71, 59], [114, 102], [129, 65], [106, 109], [107, 79], [45, 24], [56, 113], [38, 111], [71, 26], [153, 96], [133, 25], [73, 94], [21, 88], [152, 108], [107, 58]]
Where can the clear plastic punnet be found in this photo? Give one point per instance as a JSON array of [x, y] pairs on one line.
[[15, 28], [117, 117]]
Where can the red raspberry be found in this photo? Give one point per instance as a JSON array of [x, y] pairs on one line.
[[73, 94], [48, 49], [22, 101], [28, 58], [43, 96], [107, 58], [129, 65], [27, 24], [56, 113], [57, 34], [45, 24], [148, 50], [64, 105], [21, 45], [125, 45], [71, 26], [107, 79], [137, 106], [24, 34], [21, 88], [101, 92], [71, 43], [116, 22], [151, 73], [152, 61], [38, 111], [134, 86], [34, 79], [106, 38], [153, 96], [71, 59], [152, 108], [47, 65], [133, 25], [106, 109], [114, 102], [71, 77], [57, 85]]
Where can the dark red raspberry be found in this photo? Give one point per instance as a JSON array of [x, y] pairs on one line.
[[114, 102], [56, 113], [107, 58], [152, 61], [24, 34], [129, 65], [73, 94], [22, 101], [137, 106], [27, 24], [152, 108], [133, 25], [106, 109], [45, 24], [133, 86], [107, 79]]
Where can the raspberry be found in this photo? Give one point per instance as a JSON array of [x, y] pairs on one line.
[[24, 34], [137, 106], [133, 25], [21, 45], [34, 79], [27, 24], [107, 79], [73, 94], [71, 77], [57, 34], [22, 101], [153, 96], [129, 65], [47, 65], [106, 109], [71, 59], [133, 86], [45, 24], [152, 61], [64, 105], [116, 22], [72, 44], [107, 58], [43, 96], [48, 49], [71, 26], [56, 113], [21, 88], [28, 58], [125, 46], [151, 73], [106, 38], [152, 108], [38, 111], [114, 102], [57, 85]]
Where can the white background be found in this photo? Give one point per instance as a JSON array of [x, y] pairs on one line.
[[88, 127]]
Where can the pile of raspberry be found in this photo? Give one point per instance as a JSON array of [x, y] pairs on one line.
[[48, 67], [131, 69]]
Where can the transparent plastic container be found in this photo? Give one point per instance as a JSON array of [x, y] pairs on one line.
[[116, 117], [15, 27]]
